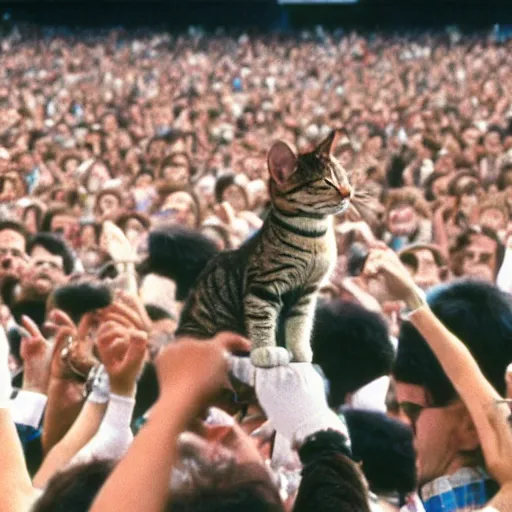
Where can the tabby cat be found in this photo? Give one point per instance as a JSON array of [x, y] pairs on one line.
[[267, 288]]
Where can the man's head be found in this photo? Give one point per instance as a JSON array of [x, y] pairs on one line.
[[108, 203], [50, 264], [385, 448], [429, 265], [76, 488], [479, 253], [63, 222], [480, 315], [493, 141], [13, 245], [494, 214], [405, 208]]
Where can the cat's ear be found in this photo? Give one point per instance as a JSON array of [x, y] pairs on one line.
[[326, 147], [282, 162]]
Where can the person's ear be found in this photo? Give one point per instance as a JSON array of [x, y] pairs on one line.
[[467, 434]]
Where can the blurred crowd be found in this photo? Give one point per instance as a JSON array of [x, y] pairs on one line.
[[128, 160]]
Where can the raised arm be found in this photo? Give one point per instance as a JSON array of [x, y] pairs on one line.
[[190, 374], [80, 433], [16, 492], [458, 363], [71, 362]]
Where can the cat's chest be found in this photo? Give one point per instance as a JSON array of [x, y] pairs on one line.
[[324, 257], [300, 262]]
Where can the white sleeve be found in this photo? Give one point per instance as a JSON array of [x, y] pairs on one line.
[[504, 279], [27, 408], [114, 436]]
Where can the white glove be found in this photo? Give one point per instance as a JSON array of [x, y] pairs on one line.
[[293, 398], [5, 375]]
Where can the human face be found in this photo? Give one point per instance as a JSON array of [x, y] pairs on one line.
[[66, 226], [435, 432], [108, 205], [479, 258], [235, 197], [181, 208], [13, 258], [110, 124], [157, 150], [71, 166], [492, 144], [88, 237], [471, 136], [143, 181], [205, 191], [427, 274], [403, 220], [467, 203], [99, 174], [374, 145], [177, 173], [493, 218], [440, 186], [444, 164], [45, 271], [251, 168]]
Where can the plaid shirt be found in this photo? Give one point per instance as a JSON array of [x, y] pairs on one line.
[[468, 489]]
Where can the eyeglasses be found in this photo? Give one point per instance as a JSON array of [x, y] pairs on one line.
[[15, 253]]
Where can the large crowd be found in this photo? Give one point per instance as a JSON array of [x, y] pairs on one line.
[[128, 160]]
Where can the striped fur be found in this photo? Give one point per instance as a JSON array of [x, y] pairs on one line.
[[267, 289]]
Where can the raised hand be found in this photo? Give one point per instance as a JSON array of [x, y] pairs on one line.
[[384, 264], [36, 353], [128, 311], [198, 368], [122, 351], [72, 357]]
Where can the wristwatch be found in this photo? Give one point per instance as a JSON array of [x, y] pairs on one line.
[[97, 386]]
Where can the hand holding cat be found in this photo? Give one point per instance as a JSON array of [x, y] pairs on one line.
[[198, 368], [293, 398]]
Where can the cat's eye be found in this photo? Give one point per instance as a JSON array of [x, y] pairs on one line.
[[331, 183]]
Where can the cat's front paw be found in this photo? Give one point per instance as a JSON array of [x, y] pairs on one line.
[[268, 357]]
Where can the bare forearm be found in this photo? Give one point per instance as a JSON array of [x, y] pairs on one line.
[[150, 459], [16, 490], [81, 432], [440, 236], [65, 400], [502, 501]]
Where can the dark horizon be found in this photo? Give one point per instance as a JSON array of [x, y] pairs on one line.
[[263, 14]]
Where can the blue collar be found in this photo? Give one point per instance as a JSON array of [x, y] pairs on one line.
[[468, 489]]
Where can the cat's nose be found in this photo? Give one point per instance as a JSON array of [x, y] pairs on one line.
[[346, 192]]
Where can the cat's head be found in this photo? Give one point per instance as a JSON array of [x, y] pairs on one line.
[[313, 184]]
